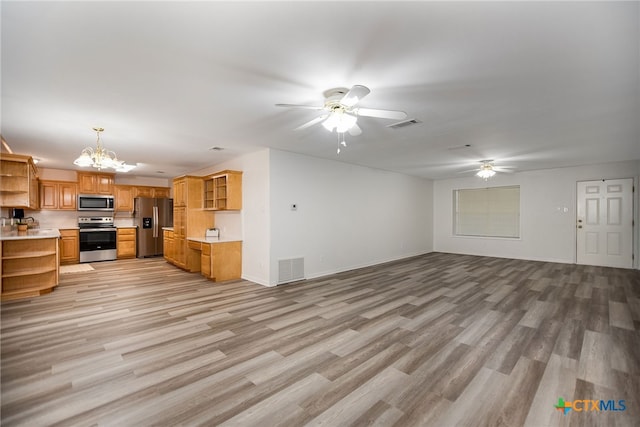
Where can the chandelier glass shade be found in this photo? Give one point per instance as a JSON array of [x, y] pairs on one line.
[[486, 171], [339, 120], [100, 157]]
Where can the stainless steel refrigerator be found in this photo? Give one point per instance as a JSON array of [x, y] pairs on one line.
[[150, 216]]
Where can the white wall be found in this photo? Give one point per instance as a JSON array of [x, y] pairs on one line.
[[347, 216], [252, 223], [547, 232]]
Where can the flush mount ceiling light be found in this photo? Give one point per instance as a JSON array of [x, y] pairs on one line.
[[486, 170], [100, 157]]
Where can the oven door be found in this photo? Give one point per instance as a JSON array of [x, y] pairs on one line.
[[97, 244]]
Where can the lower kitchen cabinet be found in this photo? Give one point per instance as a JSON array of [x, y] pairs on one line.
[[29, 267], [221, 261], [69, 246], [180, 252], [126, 243], [168, 247]]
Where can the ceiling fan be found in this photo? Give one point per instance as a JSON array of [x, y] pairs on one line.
[[487, 169], [340, 110]]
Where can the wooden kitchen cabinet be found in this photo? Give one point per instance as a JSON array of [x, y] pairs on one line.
[[95, 183], [48, 195], [144, 192], [223, 191], [221, 261], [158, 192], [168, 246], [162, 192], [124, 195], [189, 219], [18, 182], [126, 243], [58, 195], [29, 267], [179, 236], [180, 191], [69, 246]]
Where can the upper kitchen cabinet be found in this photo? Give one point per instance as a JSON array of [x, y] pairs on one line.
[[144, 192], [180, 191], [59, 195], [158, 192], [223, 191], [18, 182], [124, 195], [161, 192], [95, 183]]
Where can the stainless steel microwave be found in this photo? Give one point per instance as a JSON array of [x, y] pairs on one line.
[[95, 202]]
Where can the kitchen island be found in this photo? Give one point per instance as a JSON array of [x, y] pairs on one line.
[[29, 262]]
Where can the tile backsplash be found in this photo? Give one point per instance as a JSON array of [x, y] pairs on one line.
[[69, 219]]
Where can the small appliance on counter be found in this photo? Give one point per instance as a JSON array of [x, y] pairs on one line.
[[212, 233]]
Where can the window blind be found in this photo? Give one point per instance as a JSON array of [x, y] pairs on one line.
[[488, 212]]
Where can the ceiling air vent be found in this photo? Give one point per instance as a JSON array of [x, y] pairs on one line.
[[404, 124]]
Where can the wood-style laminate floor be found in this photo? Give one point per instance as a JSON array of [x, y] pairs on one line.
[[440, 339]]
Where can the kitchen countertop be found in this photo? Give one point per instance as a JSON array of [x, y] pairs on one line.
[[34, 233], [214, 239], [168, 228]]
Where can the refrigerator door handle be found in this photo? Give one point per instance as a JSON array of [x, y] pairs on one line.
[[155, 221]]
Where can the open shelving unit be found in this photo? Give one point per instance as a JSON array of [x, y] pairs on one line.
[[223, 191], [18, 175], [28, 267]]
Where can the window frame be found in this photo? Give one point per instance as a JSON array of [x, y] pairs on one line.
[[512, 230]]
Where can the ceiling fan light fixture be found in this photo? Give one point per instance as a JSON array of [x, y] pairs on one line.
[[486, 171], [340, 121]]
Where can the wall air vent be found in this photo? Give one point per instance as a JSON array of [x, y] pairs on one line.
[[290, 270], [404, 123]]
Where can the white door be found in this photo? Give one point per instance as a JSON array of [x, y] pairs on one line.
[[605, 223]]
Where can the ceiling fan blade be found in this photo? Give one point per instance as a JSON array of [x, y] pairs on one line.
[[355, 94], [355, 130], [312, 122], [381, 114], [469, 170], [309, 107], [503, 169]]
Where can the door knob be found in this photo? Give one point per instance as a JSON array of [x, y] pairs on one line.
[[579, 226]]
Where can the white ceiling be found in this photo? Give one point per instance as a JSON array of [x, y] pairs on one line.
[[532, 85]]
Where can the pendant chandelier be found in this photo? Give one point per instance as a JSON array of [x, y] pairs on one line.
[[100, 157]]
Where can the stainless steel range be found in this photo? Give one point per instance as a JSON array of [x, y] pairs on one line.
[[97, 238]]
